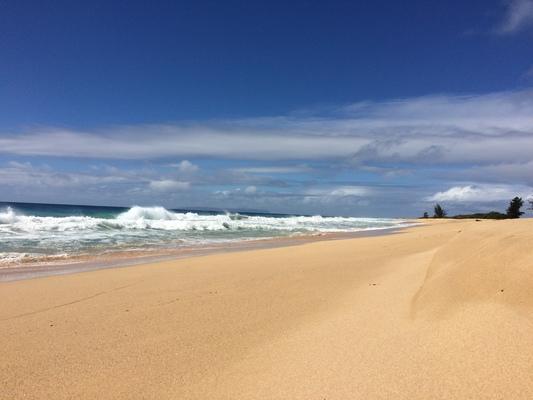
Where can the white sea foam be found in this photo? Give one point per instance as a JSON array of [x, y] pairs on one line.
[[8, 216], [154, 226], [150, 213], [159, 218]]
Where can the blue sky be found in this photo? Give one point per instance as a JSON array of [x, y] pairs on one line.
[[347, 108]]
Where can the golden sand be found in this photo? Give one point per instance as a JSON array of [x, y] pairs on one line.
[[442, 311]]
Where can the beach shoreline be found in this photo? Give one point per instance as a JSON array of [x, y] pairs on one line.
[[53, 239], [442, 310], [77, 264]]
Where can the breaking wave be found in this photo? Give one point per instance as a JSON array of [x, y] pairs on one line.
[[159, 218], [145, 227]]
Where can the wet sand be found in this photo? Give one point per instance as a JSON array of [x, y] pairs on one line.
[[118, 259], [442, 311]]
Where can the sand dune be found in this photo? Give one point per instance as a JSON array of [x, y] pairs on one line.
[[442, 311]]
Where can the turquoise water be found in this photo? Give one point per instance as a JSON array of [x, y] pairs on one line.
[[44, 232]]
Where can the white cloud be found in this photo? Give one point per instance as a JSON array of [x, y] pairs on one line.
[[482, 129], [167, 185], [490, 137], [250, 190], [28, 175], [350, 191], [273, 170], [340, 197], [109, 185], [185, 167], [20, 165], [340, 191], [481, 193], [503, 173], [519, 16], [387, 172]]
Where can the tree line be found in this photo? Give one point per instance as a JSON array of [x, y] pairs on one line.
[[513, 211]]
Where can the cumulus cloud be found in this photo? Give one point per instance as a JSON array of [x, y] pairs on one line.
[[334, 161], [185, 167], [109, 185], [481, 193], [518, 16], [167, 185]]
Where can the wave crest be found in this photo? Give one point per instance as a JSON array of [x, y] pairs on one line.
[[31, 237], [159, 218], [136, 213], [8, 216]]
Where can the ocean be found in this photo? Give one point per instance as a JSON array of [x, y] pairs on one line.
[[33, 233]]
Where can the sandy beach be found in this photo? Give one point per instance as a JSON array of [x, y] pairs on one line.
[[441, 311]]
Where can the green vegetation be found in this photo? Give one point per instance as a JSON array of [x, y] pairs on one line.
[[439, 212], [513, 211], [489, 215]]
